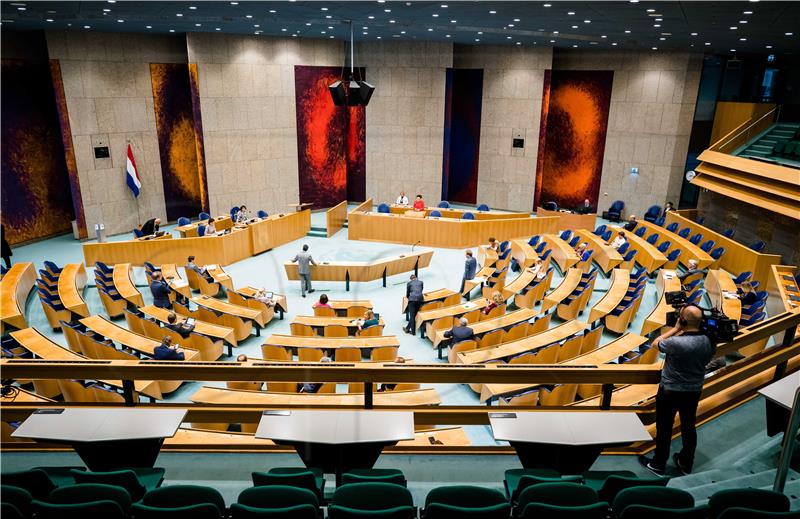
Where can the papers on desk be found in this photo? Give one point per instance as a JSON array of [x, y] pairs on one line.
[[729, 295], [180, 283], [469, 305], [668, 276], [212, 267]]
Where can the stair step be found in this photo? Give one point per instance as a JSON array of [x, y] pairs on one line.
[[760, 147], [759, 154], [699, 479]]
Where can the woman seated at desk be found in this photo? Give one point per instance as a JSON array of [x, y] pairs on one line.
[[211, 230], [241, 215], [617, 242], [265, 297], [419, 203], [368, 321], [747, 293], [580, 249], [322, 303], [494, 302], [493, 245], [538, 269]]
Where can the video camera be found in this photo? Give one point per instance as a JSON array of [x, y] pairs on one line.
[[715, 325]]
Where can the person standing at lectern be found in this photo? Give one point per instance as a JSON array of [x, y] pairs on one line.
[[304, 262]]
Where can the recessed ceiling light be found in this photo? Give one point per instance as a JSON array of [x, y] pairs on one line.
[[234, 3], [218, 29], [615, 43], [273, 11], [308, 24], [387, 10], [555, 32], [328, 17], [330, 27], [443, 6], [480, 32], [651, 10], [371, 17], [21, 9], [571, 13], [769, 46], [574, 26], [378, 37], [446, 35], [365, 28], [402, 32], [733, 28], [323, 32], [604, 36], [381, 1], [477, 39], [662, 39], [435, 15], [552, 41], [654, 48], [452, 21], [364, 33], [511, 25], [694, 34], [627, 31], [430, 30], [49, 20], [575, 46], [518, 43], [246, 16], [106, 10], [516, 19], [148, 26], [192, 7], [112, 1], [283, 30], [199, 25], [707, 43], [492, 12], [120, 21], [742, 21], [747, 12], [87, 26], [172, 30], [656, 25], [391, 21], [733, 50], [587, 21], [323, 8], [788, 34], [659, 19], [547, 5], [508, 37]]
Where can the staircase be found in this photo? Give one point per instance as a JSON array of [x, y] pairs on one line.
[[321, 232], [761, 147]]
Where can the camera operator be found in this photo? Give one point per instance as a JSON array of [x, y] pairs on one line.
[[687, 351]]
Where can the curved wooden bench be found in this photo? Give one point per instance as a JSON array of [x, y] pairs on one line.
[[667, 281], [564, 255], [125, 286], [620, 279], [568, 284], [604, 255], [15, 286], [71, 283]]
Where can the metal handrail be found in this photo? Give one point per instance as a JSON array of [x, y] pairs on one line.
[[789, 441], [743, 130]]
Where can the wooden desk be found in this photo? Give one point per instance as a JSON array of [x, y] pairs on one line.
[[71, 283], [486, 256], [568, 284], [564, 255], [242, 242], [719, 284], [524, 254], [440, 294], [604, 255], [250, 292], [319, 323], [428, 316], [214, 331], [570, 220], [782, 287], [175, 281], [223, 307], [332, 343], [667, 281], [220, 276], [43, 348], [620, 279], [738, 258], [300, 206], [217, 395], [221, 223], [504, 321], [521, 282], [15, 286], [647, 255], [688, 249], [442, 232], [363, 270], [455, 213], [125, 286], [335, 218], [514, 348], [341, 306]]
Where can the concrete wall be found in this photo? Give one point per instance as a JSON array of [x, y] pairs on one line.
[[512, 101], [652, 106], [249, 120], [110, 102], [405, 118]]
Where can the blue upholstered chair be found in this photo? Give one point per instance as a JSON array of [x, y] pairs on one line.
[[652, 213], [467, 216], [664, 246], [624, 247], [383, 208], [685, 233], [672, 227], [600, 230], [183, 221], [701, 220], [435, 214], [640, 232], [574, 241], [707, 246], [728, 233], [759, 246], [661, 221], [262, 213], [652, 239], [673, 255], [534, 240], [483, 207], [203, 216], [615, 211], [234, 211], [137, 233], [697, 238], [201, 230], [566, 235], [551, 206], [744, 276], [444, 204], [607, 235]]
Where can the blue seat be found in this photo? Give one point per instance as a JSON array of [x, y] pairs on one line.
[[607, 235], [384, 208], [759, 246], [615, 211], [640, 232], [630, 255], [624, 247], [483, 207], [444, 205], [753, 309], [691, 286], [685, 233], [673, 255], [551, 206], [652, 213], [697, 297], [565, 235], [468, 216], [540, 248], [728, 233], [48, 279], [697, 238], [183, 221], [600, 230], [137, 233], [701, 220], [717, 253], [262, 213], [201, 230], [661, 221], [744, 276], [52, 268], [102, 267], [672, 227], [707, 245], [664, 246], [203, 216], [753, 319], [234, 211], [652, 239], [435, 214], [534, 240], [546, 255], [586, 255], [504, 245], [574, 241]]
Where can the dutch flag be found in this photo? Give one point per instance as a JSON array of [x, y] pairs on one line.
[[131, 175]]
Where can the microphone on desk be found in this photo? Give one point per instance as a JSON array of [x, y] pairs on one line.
[[412, 247]]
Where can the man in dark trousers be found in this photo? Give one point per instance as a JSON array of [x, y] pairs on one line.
[[150, 226], [460, 333], [304, 262], [6, 247], [687, 351], [414, 296], [160, 291], [470, 268], [181, 328]]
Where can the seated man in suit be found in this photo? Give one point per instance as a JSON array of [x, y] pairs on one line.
[[160, 291], [167, 351], [181, 328], [460, 333], [150, 227], [312, 387], [632, 223], [585, 207], [200, 270]]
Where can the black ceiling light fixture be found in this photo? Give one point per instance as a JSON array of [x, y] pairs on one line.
[[357, 92]]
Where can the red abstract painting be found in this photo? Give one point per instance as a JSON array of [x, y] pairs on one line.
[[331, 140]]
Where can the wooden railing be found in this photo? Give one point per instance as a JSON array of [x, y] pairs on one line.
[[335, 217], [740, 135]]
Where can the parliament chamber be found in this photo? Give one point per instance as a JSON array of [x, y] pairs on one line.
[[512, 259]]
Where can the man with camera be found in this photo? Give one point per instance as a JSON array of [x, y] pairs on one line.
[[688, 351]]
